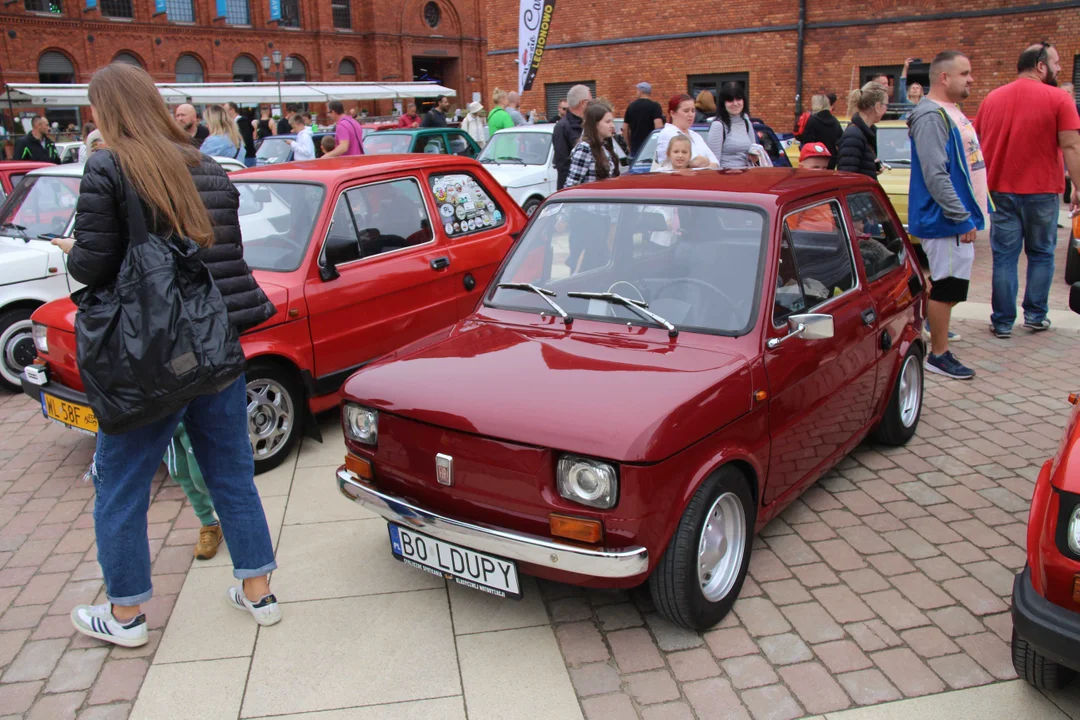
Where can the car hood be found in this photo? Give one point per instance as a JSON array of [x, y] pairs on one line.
[[513, 176], [598, 395], [21, 261]]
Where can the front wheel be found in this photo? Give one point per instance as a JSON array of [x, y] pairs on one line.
[[530, 205], [905, 405], [275, 410], [699, 577], [1037, 669], [16, 346]]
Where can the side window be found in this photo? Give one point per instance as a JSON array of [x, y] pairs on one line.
[[387, 216], [789, 296], [821, 254], [430, 144], [464, 205], [880, 244], [460, 146], [342, 245]]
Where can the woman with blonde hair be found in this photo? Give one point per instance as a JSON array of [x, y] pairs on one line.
[[857, 151], [704, 107], [224, 139], [498, 117], [153, 209], [823, 127]]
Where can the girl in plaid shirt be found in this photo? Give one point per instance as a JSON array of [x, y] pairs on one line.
[[590, 160]]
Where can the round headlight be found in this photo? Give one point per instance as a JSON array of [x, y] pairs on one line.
[[361, 424], [41, 341], [586, 481], [1073, 534]]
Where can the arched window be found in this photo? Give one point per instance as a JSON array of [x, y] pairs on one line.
[[127, 58], [55, 69], [180, 10], [347, 67], [244, 69], [298, 72], [189, 69]]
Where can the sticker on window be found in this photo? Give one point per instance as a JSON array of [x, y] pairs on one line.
[[464, 205]]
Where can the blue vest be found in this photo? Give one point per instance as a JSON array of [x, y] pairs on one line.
[[925, 217]]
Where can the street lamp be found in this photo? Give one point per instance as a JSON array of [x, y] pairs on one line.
[[277, 60]]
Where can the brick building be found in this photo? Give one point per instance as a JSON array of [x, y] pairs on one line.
[[693, 44], [64, 41]]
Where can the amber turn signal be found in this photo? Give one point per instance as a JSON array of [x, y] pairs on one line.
[[761, 396], [1073, 398], [358, 466], [574, 528]]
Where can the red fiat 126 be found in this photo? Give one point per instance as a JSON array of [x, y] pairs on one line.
[[1046, 595], [661, 364]]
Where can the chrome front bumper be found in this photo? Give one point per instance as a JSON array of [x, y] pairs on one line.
[[613, 563]]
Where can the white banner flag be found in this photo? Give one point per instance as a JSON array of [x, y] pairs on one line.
[[534, 22]]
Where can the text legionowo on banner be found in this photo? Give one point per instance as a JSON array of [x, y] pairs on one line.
[[534, 22]]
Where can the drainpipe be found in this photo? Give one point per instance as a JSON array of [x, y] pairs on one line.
[[800, 46]]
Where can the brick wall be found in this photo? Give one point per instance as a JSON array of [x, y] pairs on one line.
[[831, 54], [385, 37]]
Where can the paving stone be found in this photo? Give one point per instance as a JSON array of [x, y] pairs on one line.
[[920, 493], [975, 596], [581, 643], [595, 679], [695, 664], [921, 591], [812, 622], [120, 711], [907, 672], [35, 661], [891, 563], [18, 697], [989, 651], [771, 703], [786, 592], [960, 671], [730, 642], [618, 617], [815, 575], [760, 616], [609, 707], [859, 502], [895, 610], [670, 636], [911, 544], [41, 589], [648, 688], [56, 707], [963, 552], [940, 568], [812, 532], [844, 605], [714, 699], [996, 578], [678, 710], [839, 555], [873, 635], [10, 644], [785, 649], [766, 566], [120, 680], [837, 519], [868, 687], [748, 671], [1001, 624], [634, 650], [792, 550], [842, 656], [979, 533], [815, 688], [864, 581], [570, 609]]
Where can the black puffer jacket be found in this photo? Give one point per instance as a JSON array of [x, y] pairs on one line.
[[101, 236], [858, 149], [824, 128]]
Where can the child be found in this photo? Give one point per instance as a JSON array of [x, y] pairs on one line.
[[679, 152], [180, 459], [328, 143]]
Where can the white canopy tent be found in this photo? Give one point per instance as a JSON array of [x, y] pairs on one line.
[[29, 95]]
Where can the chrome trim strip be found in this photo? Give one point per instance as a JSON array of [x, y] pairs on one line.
[[608, 563]]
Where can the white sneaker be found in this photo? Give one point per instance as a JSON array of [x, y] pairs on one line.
[[265, 612], [97, 621]]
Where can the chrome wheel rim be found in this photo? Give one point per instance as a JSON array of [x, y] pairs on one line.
[[910, 395], [721, 547], [270, 417], [16, 349]]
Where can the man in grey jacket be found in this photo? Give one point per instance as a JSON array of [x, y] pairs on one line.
[[943, 210]]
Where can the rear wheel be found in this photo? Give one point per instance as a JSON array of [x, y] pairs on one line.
[[905, 405], [1072, 263], [699, 577], [275, 410], [1037, 669], [16, 346]]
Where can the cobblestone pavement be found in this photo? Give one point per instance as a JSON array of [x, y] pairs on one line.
[[890, 578]]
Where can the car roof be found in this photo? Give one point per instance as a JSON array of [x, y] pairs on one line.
[[348, 168], [16, 165], [545, 128], [65, 170], [414, 131], [782, 184]]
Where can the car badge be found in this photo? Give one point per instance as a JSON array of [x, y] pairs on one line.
[[444, 469]]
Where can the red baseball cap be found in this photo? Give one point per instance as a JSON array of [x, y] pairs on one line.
[[815, 149]]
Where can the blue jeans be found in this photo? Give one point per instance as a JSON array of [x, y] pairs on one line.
[[1027, 222], [250, 161], [124, 466]]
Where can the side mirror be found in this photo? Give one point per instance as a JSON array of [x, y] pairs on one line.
[[1074, 297], [337, 250], [811, 326]]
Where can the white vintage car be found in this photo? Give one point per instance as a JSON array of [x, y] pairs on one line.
[[521, 159], [32, 270]]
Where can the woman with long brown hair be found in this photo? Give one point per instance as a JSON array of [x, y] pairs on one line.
[[184, 200], [590, 159]]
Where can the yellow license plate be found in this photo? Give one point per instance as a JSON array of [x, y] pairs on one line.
[[71, 414]]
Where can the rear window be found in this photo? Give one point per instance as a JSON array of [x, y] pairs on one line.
[[273, 151], [276, 221], [464, 205], [379, 144]]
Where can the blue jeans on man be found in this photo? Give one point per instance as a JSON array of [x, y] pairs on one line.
[[124, 465], [1028, 223]]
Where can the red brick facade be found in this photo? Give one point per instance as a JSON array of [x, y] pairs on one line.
[[992, 32], [382, 44]]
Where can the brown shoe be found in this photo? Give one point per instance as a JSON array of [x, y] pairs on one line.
[[209, 539]]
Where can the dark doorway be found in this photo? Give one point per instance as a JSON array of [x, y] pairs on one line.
[[441, 71]]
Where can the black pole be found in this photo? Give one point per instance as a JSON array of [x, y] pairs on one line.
[[800, 47]]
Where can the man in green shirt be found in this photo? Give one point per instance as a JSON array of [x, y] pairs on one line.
[[499, 118]]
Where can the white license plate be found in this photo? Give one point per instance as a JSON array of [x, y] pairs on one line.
[[476, 570]]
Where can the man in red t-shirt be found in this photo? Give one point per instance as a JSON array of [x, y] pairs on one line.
[[1026, 128]]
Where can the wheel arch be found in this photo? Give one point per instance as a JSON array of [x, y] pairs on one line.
[[289, 366], [22, 304]]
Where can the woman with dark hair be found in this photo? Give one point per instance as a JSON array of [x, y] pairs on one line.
[[681, 111], [151, 189], [590, 159], [263, 126], [731, 135]]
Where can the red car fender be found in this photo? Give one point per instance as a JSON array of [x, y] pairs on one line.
[[1041, 521], [289, 343], [910, 336]]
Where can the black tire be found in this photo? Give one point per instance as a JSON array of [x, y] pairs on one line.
[[531, 204], [1037, 669], [16, 346], [893, 430], [674, 584], [1072, 263], [273, 388]]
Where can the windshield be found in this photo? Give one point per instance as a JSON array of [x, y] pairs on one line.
[[894, 145], [380, 144], [518, 148], [276, 220], [644, 158], [39, 205], [697, 266], [273, 151]]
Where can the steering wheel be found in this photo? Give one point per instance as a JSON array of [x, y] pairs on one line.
[[694, 282], [635, 294]]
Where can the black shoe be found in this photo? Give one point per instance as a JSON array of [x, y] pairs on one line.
[[1003, 334], [946, 364], [1043, 324]]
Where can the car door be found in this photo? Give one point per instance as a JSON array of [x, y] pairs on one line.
[[820, 390], [888, 271], [378, 284]]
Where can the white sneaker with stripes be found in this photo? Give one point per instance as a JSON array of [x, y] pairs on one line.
[[265, 612], [97, 621]]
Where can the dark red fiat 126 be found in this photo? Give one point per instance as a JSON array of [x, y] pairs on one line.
[[661, 364]]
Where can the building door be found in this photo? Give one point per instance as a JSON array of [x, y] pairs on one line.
[[441, 71], [697, 83]]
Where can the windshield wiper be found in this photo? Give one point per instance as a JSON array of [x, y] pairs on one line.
[[544, 293], [487, 160], [509, 159], [902, 161], [637, 306], [19, 228]]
